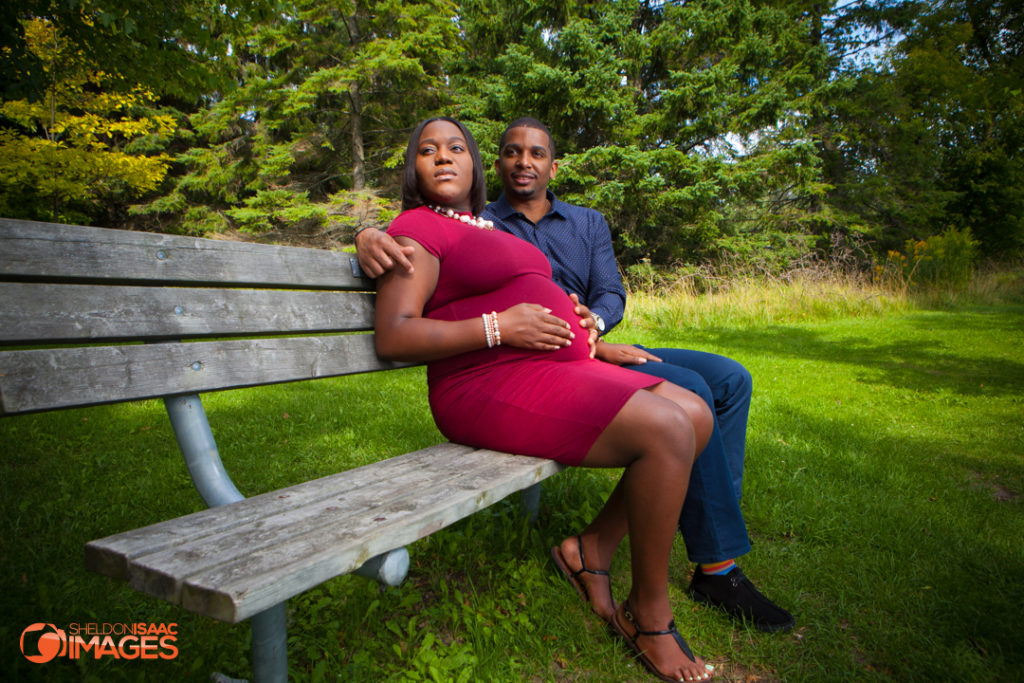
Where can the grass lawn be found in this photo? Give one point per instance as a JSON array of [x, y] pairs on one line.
[[883, 494]]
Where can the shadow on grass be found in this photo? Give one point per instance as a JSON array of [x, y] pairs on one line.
[[925, 365], [904, 565]]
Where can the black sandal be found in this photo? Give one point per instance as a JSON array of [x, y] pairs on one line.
[[573, 576], [670, 631]]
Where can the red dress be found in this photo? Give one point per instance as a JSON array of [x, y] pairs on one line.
[[551, 404]]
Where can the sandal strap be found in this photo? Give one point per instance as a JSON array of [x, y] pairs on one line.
[[670, 631], [583, 563]]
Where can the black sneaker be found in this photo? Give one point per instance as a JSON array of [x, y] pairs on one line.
[[734, 593]]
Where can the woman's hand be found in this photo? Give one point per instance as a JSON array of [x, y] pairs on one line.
[[531, 326], [624, 354]]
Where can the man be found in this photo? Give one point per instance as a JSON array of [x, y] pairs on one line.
[[577, 242]]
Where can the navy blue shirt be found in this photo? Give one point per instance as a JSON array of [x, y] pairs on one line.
[[578, 244]]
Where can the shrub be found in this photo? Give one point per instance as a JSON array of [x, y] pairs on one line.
[[945, 260]]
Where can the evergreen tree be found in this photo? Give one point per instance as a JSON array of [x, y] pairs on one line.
[[703, 129], [327, 92], [929, 137], [681, 122], [171, 49]]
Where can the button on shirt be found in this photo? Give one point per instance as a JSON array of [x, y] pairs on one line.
[[578, 244]]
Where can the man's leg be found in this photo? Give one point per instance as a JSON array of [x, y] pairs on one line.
[[711, 522], [731, 387]]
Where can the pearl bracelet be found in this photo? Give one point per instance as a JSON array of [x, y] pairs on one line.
[[491, 330], [497, 330]]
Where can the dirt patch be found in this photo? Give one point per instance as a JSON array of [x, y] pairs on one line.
[[998, 491]]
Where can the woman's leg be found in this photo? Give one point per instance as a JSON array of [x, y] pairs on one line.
[[656, 437], [612, 517]]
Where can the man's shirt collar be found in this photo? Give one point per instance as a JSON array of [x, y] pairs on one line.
[[503, 209]]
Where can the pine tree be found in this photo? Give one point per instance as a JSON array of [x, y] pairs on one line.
[[327, 92], [647, 102]]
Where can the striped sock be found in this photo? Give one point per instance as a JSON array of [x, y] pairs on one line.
[[717, 568]]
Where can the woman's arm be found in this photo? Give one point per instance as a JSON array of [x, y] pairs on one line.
[[402, 333]]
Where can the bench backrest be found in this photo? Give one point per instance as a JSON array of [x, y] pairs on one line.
[[127, 315]]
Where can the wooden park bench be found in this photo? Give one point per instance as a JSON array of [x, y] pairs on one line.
[[92, 316]]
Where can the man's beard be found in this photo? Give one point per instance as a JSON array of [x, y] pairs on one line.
[[521, 191]]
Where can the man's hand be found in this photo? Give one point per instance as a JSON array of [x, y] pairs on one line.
[[378, 252], [624, 354], [587, 322]]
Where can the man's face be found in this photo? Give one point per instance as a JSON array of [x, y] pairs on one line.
[[525, 164]]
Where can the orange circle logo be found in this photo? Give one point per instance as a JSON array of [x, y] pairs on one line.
[[49, 642]]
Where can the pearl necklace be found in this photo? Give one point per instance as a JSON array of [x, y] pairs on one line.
[[481, 223]]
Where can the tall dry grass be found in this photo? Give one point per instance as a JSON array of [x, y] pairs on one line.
[[707, 298], [990, 285]]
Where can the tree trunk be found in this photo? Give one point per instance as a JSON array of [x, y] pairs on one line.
[[356, 117], [355, 95]]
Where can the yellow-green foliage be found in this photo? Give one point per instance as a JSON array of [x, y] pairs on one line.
[[71, 152], [945, 260]]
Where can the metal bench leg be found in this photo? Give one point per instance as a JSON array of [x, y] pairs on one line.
[[270, 645], [529, 499], [191, 428], [200, 450], [389, 568]]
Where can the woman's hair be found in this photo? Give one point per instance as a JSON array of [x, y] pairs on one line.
[[411, 197]]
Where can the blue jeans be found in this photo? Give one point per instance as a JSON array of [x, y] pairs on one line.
[[711, 522]]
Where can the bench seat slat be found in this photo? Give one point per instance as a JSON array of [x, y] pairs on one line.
[[122, 549], [55, 252], [335, 528], [48, 313], [342, 521], [46, 379]]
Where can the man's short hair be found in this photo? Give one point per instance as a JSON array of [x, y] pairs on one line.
[[528, 122]]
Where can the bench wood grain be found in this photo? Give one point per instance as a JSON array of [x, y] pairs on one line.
[[70, 313], [236, 560], [31, 250]]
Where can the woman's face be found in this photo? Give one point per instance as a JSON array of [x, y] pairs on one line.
[[444, 166]]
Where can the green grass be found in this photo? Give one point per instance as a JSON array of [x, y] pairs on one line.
[[883, 494]]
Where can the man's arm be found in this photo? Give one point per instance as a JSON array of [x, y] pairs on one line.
[[378, 252], [619, 354], [605, 296]]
